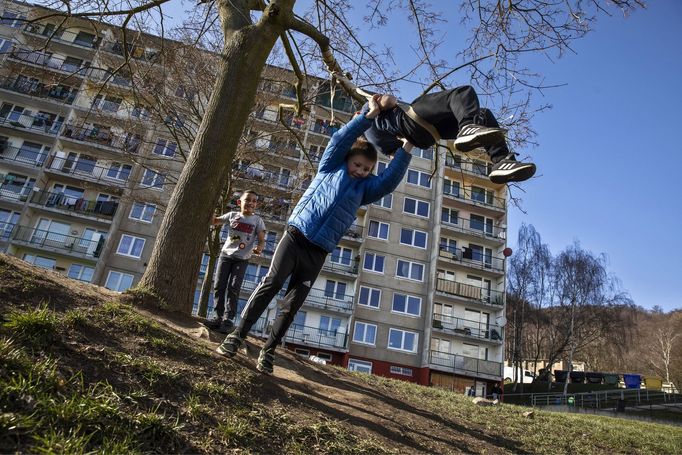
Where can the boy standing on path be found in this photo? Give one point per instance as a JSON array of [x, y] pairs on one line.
[[245, 229], [326, 210]]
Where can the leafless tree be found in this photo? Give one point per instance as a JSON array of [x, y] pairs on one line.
[[500, 34]]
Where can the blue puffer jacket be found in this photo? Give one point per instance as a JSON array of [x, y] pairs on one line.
[[327, 208]]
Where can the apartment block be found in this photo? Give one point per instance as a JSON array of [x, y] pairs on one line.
[[414, 290]]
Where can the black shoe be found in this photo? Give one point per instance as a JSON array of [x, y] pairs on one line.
[[212, 324], [474, 136], [265, 361], [226, 326], [509, 170], [230, 346]]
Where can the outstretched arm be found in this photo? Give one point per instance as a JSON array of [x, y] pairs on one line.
[[388, 180]]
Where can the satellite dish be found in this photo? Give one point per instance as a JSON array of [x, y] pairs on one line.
[[501, 320]]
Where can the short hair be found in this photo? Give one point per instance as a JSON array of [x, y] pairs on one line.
[[245, 192], [364, 148]]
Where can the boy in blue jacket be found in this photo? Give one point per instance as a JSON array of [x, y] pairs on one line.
[[326, 210]]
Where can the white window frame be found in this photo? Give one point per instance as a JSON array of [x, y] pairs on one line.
[[374, 261], [417, 204], [165, 147], [402, 371], [407, 304], [121, 275], [385, 202], [413, 236], [340, 256], [360, 366], [380, 225], [157, 180], [118, 168], [404, 332], [411, 264], [146, 208], [370, 292], [133, 242], [364, 341], [449, 210], [79, 275], [419, 152], [420, 176]]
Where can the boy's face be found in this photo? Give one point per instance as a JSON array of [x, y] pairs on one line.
[[359, 166], [248, 203]]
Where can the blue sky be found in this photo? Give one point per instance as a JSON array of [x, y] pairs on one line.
[[609, 164]]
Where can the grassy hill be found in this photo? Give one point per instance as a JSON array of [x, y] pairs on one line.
[[83, 370]]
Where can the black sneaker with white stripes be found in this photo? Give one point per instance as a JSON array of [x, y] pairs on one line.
[[474, 136], [509, 170]]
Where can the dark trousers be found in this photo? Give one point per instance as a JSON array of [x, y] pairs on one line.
[[450, 110], [227, 283], [294, 256]]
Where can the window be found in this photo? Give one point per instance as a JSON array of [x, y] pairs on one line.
[[360, 366], [365, 333], [270, 242], [302, 352], [32, 152], [5, 45], [118, 171], [142, 211], [449, 216], [325, 356], [447, 244], [426, 154], [299, 320], [12, 19], [481, 223], [40, 261], [418, 178], [369, 297], [378, 230], [153, 179], [403, 371], [416, 207], [385, 202], [335, 290], [413, 237], [453, 160], [402, 340], [381, 167], [451, 187], [329, 326], [342, 256], [130, 246], [165, 148], [374, 262], [406, 304], [410, 270], [7, 222], [119, 282], [481, 195], [255, 273], [81, 272]]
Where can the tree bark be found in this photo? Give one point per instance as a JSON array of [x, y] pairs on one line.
[[173, 268], [207, 286]]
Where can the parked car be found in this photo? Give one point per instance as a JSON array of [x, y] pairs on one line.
[[523, 376]]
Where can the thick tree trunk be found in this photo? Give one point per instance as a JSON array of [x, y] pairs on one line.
[[173, 268]]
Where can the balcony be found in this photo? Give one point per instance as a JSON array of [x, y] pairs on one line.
[[324, 127], [103, 137], [134, 51], [354, 233], [469, 292], [31, 57], [80, 206], [343, 267], [473, 259], [271, 179], [331, 301], [476, 228], [62, 36], [482, 200], [313, 336], [60, 243], [466, 328], [470, 366], [88, 170], [42, 123], [59, 93], [14, 193], [23, 156], [476, 168]]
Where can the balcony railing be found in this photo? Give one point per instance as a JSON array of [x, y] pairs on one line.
[[473, 329], [62, 242], [100, 209], [88, 170], [63, 36], [134, 51], [102, 137], [320, 298], [269, 178], [477, 198], [14, 192], [50, 92], [324, 128], [47, 60], [42, 123], [465, 365], [471, 292], [474, 259], [22, 155], [314, 336], [341, 267], [481, 169], [476, 228]]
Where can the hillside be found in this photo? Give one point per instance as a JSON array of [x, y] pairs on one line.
[[83, 370]]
